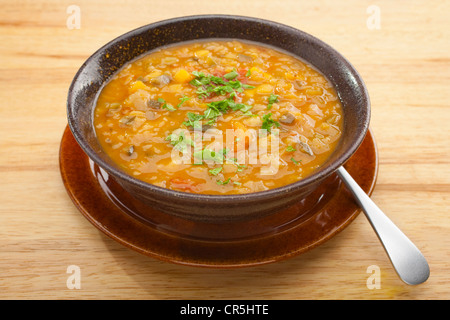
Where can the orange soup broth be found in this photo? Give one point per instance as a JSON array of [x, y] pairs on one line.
[[152, 97]]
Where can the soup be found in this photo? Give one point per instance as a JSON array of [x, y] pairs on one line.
[[218, 117]]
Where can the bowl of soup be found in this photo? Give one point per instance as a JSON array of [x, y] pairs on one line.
[[218, 118]]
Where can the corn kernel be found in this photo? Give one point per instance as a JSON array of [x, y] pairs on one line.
[[201, 53], [264, 89]]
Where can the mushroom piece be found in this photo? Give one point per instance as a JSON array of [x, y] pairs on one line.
[[306, 148], [127, 121], [287, 118], [128, 153], [130, 150], [161, 80], [154, 104]]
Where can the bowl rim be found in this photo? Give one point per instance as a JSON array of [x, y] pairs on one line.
[[320, 174]]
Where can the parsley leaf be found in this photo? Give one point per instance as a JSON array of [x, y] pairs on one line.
[[215, 171], [166, 105], [268, 122], [219, 182], [179, 141], [194, 120], [239, 167], [183, 100], [231, 75], [212, 84], [208, 154], [207, 85], [271, 100], [290, 149]]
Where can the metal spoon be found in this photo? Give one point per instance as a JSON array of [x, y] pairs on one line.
[[408, 261]]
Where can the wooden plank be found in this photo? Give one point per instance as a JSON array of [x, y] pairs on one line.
[[405, 65]]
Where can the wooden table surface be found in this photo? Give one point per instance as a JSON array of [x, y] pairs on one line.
[[404, 58]]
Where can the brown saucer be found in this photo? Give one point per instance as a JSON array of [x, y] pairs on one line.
[[282, 235]]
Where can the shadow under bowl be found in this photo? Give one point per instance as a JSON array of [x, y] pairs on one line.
[[104, 63]]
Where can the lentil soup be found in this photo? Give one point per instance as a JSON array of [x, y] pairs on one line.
[[218, 117]]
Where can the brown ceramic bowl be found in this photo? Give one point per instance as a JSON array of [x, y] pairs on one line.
[[98, 69]]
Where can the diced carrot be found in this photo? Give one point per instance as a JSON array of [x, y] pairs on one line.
[[184, 185], [258, 74], [138, 85], [182, 76], [264, 89]]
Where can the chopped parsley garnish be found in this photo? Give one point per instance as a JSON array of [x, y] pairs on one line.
[[183, 100], [208, 154], [231, 75], [290, 149], [295, 161], [215, 171], [215, 109], [179, 141], [268, 122], [271, 100], [207, 85], [244, 108], [194, 120], [219, 182], [248, 74], [166, 105], [201, 79], [240, 167], [226, 86], [211, 114]]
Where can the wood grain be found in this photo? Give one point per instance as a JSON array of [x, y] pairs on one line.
[[406, 66]]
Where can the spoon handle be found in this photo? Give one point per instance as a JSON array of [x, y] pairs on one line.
[[408, 261]]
